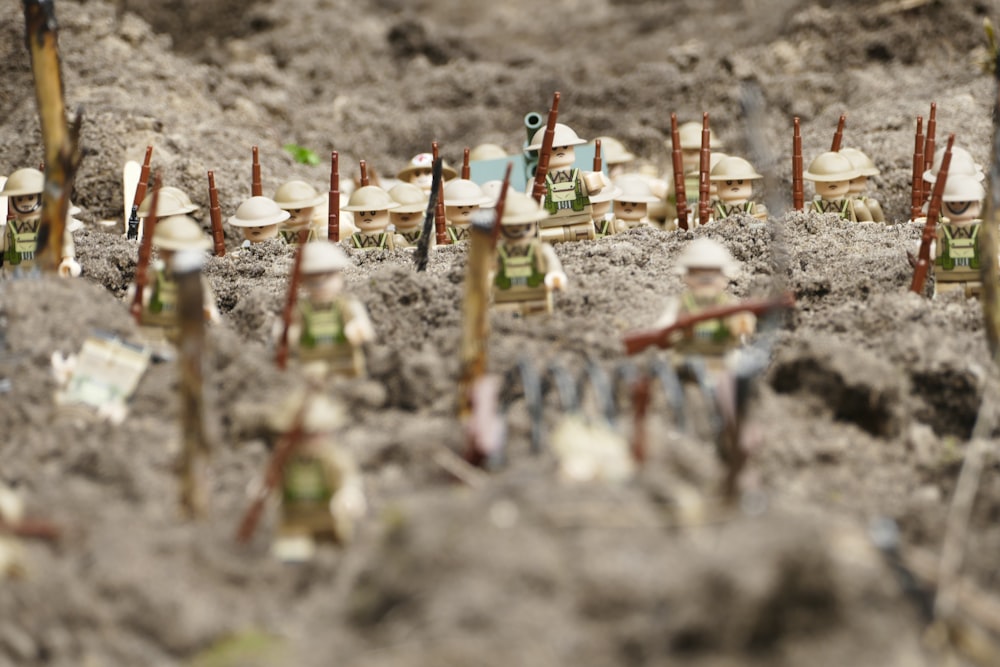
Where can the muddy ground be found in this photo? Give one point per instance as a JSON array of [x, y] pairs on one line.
[[865, 410]]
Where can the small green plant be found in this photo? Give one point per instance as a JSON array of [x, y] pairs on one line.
[[301, 154]]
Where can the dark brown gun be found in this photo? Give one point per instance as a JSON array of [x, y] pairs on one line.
[[929, 149], [538, 191], [440, 222], [598, 165], [838, 136], [256, 189], [364, 174], [930, 227], [281, 350], [668, 336], [140, 193], [333, 207], [34, 529], [215, 215], [145, 254], [705, 166], [466, 170], [680, 196], [917, 188], [798, 190]]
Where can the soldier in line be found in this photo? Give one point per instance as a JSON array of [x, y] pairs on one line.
[[301, 201], [957, 252], [733, 178], [407, 218], [859, 185], [567, 189], [832, 174], [19, 244], [371, 205]]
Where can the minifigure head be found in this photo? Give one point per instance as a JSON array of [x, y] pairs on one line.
[[690, 140], [707, 267], [634, 199], [170, 201], [832, 174], [461, 199], [962, 162], [419, 171], [300, 200], [734, 177], [371, 206], [178, 232], [962, 201], [24, 192], [601, 202], [412, 206], [521, 214], [563, 141], [865, 168], [322, 265], [487, 152], [259, 218]]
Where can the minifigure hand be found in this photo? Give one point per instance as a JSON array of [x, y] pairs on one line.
[[555, 280], [69, 268], [358, 332]]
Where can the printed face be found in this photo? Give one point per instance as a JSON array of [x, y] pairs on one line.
[[260, 234], [859, 185], [705, 283], [459, 215], [517, 233], [371, 221], [962, 211], [833, 189], [300, 217], [405, 220], [25, 204], [735, 190], [422, 179], [562, 157], [630, 210]]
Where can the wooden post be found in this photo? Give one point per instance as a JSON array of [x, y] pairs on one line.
[[256, 189], [798, 191], [930, 227], [917, 186], [145, 255], [364, 174], [597, 155], [333, 207]]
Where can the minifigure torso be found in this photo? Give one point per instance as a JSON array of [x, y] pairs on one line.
[[22, 240], [957, 257], [373, 241]]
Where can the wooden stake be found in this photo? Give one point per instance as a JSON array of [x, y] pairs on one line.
[[465, 164], [364, 174], [538, 192], [440, 222], [929, 149], [598, 166]]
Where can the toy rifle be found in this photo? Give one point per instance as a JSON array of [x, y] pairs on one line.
[[838, 136], [275, 469], [281, 352], [917, 187], [798, 191], [538, 192], [929, 149], [705, 166], [145, 254], [598, 166], [140, 194], [364, 174], [680, 196], [30, 529], [256, 189], [215, 215], [930, 226], [466, 170], [333, 206], [440, 221], [423, 251], [668, 336]]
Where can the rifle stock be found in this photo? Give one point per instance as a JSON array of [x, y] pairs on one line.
[[930, 226], [281, 351], [132, 232], [677, 155], [215, 215], [538, 191], [333, 204], [145, 254]]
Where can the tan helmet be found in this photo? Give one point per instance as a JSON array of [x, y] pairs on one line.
[[705, 253], [11, 505], [635, 189], [715, 158], [614, 151], [860, 161], [487, 152], [521, 209], [170, 201], [410, 198], [963, 187], [295, 195], [962, 162], [370, 198], [180, 232], [690, 135], [830, 167], [733, 168], [258, 212], [609, 192], [323, 257], [425, 161], [22, 182], [563, 136], [461, 192], [321, 415]]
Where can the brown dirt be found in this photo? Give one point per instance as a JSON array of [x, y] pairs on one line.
[[865, 411]]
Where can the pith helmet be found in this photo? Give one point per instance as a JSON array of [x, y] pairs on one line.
[[170, 201], [410, 198], [829, 167], [179, 232], [425, 161], [963, 187], [295, 195], [690, 135], [563, 136], [614, 151], [323, 257], [705, 253], [635, 190], [733, 169], [25, 181], [715, 158], [322, 415], [608, 192], [487, 152], [520, 209], [962, 162], [258, 212], [461, 192], [861, 162], [370, 198]]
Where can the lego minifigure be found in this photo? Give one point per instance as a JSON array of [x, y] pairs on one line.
[[487, 152], [172, 201], [618, 158], [567, 189], [605, 221], [371, 206], [408, 218], [631, 204], [866, 168], [690, 141], [259, 218], [462, 198], [330, 327], [527, 268], [832, 173], [957, 251], [733, 178], [962, 163], [23, 191], [305, 210], [322, 490], [418, 172]]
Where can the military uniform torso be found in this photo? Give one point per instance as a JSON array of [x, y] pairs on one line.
[[723, 210], [711, 337], [841, 207], [605, 225], [161, 310], [411, 238], [307, 488], [458, 233], [957, 253], [291, 236], [376, 241], [22, 241], [566, 198]]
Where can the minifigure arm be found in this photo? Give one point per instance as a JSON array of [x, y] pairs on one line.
[[69, 267], [555, 278], [209, 307], [359, 329], [593, 181], [861, 212], [670, 313]]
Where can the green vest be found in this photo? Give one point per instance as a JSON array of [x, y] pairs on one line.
[[305, 482], [369, 241], [321, 327], [518, 271], [962, 252], [22, 241], [838, 206], [457, 234], [291, 236], [709, 331], [565, 194], [723, 210], [164, 296]]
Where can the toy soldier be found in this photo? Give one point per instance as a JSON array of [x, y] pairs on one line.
[[418, 172], [867, 168], [322, 491], [632, 203], [371, 205], [605, 221], [567, 189], [734, 177], [462, 198], [259, 218], [172, 201], [527, 268], [832, 173], [690, 140], [957, 251], [407, 218], [301, 201], [962, 163], [23, 191], [331, 327]]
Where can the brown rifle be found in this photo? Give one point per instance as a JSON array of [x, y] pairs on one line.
[[215, 215], [256, 189], [30, 529], [538, 192], [704, 186], [666, 337], [930, 226], [333, 207], [140, 193], [838, 136], [145, 254], [440, 222], [466, 170], [917, 188], [929, 149], [798, 190], [281, 352], [364, 174], [680, 196], [598, 166]]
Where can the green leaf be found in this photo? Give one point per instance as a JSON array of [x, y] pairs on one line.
[[301, 154]]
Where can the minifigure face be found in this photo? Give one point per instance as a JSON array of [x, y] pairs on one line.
[[691, 158], [630, 210], [25, 204], [562, 157], [518, 233], [833, 189], [421, 178], [735, 190], [371, 221], [260, 234], [859, 185], [404, 220], [959, 212], [459, 215], [705, 283], [300, 217], [323, 286]]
